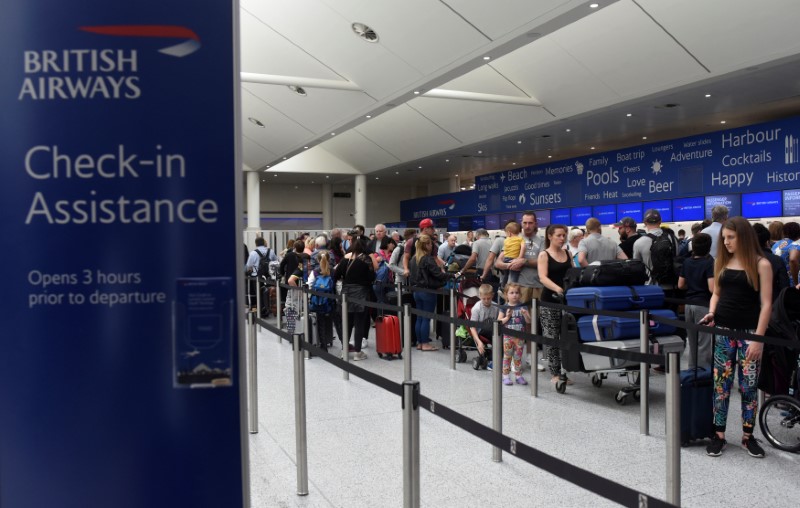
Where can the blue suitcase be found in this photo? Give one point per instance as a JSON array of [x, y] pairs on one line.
[[697, 404], [616, 297], [598, 328]]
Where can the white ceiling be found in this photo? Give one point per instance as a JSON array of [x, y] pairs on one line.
[[554, 65]]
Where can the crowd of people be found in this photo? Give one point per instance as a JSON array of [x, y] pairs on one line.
[[728, 273]]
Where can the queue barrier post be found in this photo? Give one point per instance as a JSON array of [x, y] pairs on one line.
[[407, 342], [258, 301], [497, 387], [644, 374], [453, 337], [345, 337], [307, 322], [534, 348], [278, 306], [252, 373], [301, 443], [410, 404], [673, 409]]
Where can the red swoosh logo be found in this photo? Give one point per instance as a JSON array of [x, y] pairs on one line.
[[189, 46]]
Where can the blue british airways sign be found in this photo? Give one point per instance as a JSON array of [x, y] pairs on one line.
[[117, 144]]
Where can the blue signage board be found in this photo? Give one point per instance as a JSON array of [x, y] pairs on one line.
[[791, 203], [453, 224], [542, 218], [732, 201], [606, 214], [761, 204], [505, 218], [578, 216], [664, 207], [478, 222], [756, 158], [492, 221], [561, 216], [118, 142], [632, 210], [688, 209], [465, 224]]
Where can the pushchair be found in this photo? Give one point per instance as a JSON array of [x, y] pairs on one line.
[[779, 417], [467, 289]]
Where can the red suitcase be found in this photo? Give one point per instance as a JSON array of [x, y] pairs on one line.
[[387, 337]]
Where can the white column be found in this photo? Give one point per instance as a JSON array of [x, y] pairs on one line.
[[455, 184], [360, 216], [253, 201], [327, 207]]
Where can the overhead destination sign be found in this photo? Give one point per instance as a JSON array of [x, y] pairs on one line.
[[755, 158]]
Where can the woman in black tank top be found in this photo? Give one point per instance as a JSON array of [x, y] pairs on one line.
[[553, 263], [742, 300]]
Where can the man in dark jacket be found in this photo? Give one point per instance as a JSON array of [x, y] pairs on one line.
[[628, 234]]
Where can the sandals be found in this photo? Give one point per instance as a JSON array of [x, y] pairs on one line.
[[429, 348]]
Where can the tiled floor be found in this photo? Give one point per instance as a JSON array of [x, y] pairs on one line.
[[355, 442]]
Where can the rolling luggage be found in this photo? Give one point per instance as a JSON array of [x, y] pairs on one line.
[[616, 297], [658, 345], [272, 300], [387, 337], [406, 298], [601, 328], [697, 404]]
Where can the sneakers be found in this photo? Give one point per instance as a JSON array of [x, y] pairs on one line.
[[507, 381], [489, 365], [716, 446], [364, 344], [521, 380], [540, 367], [753, 448], [359, 356]]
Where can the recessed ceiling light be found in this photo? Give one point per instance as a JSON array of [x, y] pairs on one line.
[[644, 137], [305, 148], [269, 166], [480, 151], [369, 116], [420, 167], [513, 163], [312, 181], [377, 178], [519, 142], [396, 172], [463, 188], [723, 121], [256, 121], [447, 160], [365, 32], [708, 95], [333, 133], [327, 176], [416, 92], [549, 156], [629, 114], [299, 90], [594, 6], [487, 58], [456, 175], [295, 187], [569, 130], [275, 174], [592, 148], [284, 158]]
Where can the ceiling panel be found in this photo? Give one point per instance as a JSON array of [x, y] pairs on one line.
[[562, 84], [255, 155], [327, 36], [318, 111], [731, 34], [496, 19], [652, 60], [406, 134], [279, 134], [484, 79], [359, 152], [424, 33], [473, 121], [266, 52]]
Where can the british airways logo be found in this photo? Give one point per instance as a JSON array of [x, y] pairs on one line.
[[107, 73]]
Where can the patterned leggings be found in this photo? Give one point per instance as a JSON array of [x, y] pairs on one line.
[[728, 353], [551, 328], [512, 346]]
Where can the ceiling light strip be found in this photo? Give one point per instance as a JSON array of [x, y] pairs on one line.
[[440, 93], [274, 79]]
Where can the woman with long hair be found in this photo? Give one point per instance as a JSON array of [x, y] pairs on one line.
[[553, 263], [425, 273], [742, 300]]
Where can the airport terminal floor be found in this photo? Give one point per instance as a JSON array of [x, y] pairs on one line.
[[355, 441]]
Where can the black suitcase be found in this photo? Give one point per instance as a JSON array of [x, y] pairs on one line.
[[697, 404], [617, 272]]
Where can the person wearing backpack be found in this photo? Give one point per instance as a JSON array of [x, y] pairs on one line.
[[322, 281], [257, 265], [384, 276], [658, 249]]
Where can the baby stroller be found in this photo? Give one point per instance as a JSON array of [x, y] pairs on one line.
[[779, 417], [467, 298]]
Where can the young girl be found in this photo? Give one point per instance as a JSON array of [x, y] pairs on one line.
[[742, 300], [514, 316], [319, 278], [553, 264], [512, 248]]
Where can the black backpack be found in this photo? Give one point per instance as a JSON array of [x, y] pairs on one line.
[[662, 258], [263, 264]]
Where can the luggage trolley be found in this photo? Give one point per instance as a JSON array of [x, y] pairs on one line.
[[614, 333]]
